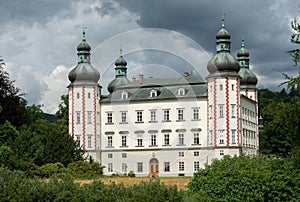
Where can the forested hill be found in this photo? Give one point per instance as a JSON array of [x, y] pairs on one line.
[[265, 97]]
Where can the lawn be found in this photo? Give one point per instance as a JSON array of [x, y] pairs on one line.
[[180, 182]]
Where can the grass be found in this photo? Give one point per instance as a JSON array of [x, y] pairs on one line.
[[180, 182]]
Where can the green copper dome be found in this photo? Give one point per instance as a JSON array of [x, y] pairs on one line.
[[84, 72], [120, 74], [248, 78], [223, 60]]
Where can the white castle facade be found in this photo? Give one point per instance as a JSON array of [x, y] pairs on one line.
[[165, 126]]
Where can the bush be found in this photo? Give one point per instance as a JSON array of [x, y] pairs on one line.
[[247, 178], [131, 174], [50, 169], [85, 170]]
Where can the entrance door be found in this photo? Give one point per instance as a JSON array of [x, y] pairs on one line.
[[153, 167]]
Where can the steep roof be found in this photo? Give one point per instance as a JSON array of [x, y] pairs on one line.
[[165, 88]]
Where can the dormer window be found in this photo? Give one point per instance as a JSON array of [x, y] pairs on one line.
[[153, 93], [181, 91], [124, 95]]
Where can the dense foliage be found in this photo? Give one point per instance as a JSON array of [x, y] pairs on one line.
[[247, 178], [15, 186]]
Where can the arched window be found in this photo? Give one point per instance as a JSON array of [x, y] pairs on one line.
[[181, 91], [153, 93], [124, 95]]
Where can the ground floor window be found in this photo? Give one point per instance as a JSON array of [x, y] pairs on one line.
[[167, 166], [181, 166], [140, 167]]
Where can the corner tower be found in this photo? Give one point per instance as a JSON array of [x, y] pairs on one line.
[[84, 95], [223, 96]]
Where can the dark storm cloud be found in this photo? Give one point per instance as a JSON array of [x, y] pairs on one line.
[[264, 24]]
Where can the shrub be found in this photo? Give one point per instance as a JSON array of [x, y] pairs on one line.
[[131, 174], [247, 178], [84, 169], [50, 169]]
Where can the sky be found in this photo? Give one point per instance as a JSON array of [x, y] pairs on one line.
[[158, 38]]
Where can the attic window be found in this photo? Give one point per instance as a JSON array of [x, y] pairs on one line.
[[124, 95], [181, 91], [153, 93]]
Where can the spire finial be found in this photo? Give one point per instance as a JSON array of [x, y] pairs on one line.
[[243, 42], [83, 32], [223, 20], [120, 51]]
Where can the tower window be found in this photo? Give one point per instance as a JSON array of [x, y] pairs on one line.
[[89, 141], [89, 95], [221, 111], [77, 117], [78, 95], [89, 117], [232, 87], [221, 136], [221, 87]]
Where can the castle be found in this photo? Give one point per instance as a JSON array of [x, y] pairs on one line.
[[165, 126]]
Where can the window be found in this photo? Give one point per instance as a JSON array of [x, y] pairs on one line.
[[196, 138], [210, 112], [232, 111], [196, 114], [153, 140], [196, 153], [123, 117], [196, 166], [109, 117], [140, 167], [167, 166], [181, 139], [153, 93], [89, 117], [152, 115], [109, 155], [124, 95], [221, 152], [221, 111], [77, 117], [166, 115], [181, 166], [109, 167], [124, 141], [211, 137], [124, 155], [109, 141], [124, 168], [89, 141], [181, 154], [180, 114], [78, 95], [181, 91], [221, 136], [233, 136], [78, 139], [232, 87], [89, 95], [139, 116], [166, 139], [221, 87], [139, 142]]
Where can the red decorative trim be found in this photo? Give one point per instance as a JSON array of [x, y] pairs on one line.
[[255, 95], [215, 112], [72, 112], [83, 118], [238, 112], [95, 116], [227, 111], [246, 92], [208, 118]]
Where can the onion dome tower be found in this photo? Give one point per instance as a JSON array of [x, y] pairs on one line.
[[84, 95], [248, 78], [223, 98], [120, 74]]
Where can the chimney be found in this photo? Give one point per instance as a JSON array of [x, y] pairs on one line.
[[133, 79], [185, 74], [141, 76]]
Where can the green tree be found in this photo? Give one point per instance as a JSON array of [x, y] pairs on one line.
[[295, 39], [13, 106], [7, 133]]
